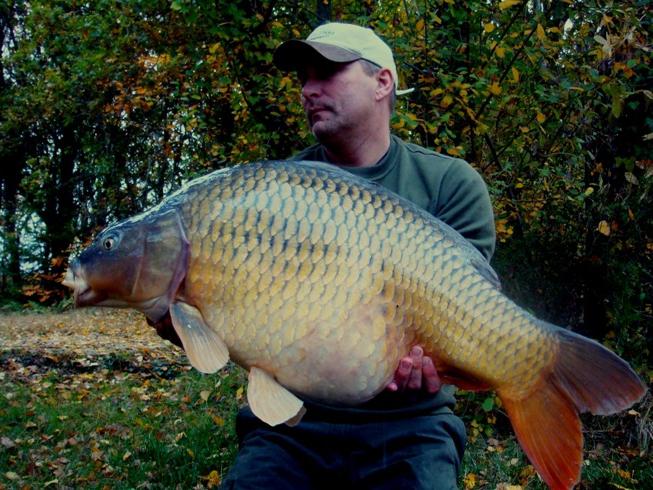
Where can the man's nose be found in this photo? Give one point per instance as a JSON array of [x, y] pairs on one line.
[[311, 88]]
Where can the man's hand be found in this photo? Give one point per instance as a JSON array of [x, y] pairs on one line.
[[416, 371], [165, 329]]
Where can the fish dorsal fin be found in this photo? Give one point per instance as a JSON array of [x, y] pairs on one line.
[[205, 349], [271, 402]]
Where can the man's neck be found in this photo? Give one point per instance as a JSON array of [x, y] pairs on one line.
[[363, 152]]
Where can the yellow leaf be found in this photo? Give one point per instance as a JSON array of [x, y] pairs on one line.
[[126, 456], [239, 393], [420, 25], [495, 88], [446, 101], [501, 52], [489, 27], [219, 421], [589, 191], [213, 479], [524, 129], [541, 35], [437, 19], [624, 474], [515, 75], [506, 4], [204, 394], [470, 481], [604, 228], [540, 117]]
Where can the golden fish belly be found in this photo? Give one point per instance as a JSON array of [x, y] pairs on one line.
[[327, 285]]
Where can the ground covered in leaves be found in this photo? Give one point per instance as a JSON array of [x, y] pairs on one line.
[[92, 398]]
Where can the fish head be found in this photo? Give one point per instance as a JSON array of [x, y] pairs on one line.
[[137, 263]]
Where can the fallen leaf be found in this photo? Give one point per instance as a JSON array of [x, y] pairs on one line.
[[213, 479], [6, 442], [470, 481], [10, 475]]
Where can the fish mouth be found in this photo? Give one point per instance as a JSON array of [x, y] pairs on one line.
[[84, 295]]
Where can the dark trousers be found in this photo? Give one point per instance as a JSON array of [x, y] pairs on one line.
[[421, 452]]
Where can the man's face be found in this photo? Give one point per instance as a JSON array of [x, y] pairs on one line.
[[337, 97]]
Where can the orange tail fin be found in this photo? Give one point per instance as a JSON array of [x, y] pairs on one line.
[[585, 377]]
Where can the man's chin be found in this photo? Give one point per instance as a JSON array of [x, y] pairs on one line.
[[323, 131]]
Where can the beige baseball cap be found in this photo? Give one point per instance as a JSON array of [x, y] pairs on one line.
[[340, 43]]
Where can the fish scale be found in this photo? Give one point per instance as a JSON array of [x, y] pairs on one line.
[[319, 282]]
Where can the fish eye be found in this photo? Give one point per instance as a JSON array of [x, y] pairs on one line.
[[108, 243]]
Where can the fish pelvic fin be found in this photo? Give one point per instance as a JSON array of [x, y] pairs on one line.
[[584, 377], [271, 402], [205, 349]]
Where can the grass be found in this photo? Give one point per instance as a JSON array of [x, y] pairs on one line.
[[112, 428], [125, 421]]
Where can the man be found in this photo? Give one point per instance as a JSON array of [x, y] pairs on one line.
[[407, 437]]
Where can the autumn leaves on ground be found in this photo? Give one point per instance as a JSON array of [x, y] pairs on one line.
[[93, 398]]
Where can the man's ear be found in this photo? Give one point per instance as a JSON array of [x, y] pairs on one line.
[[385, 83]]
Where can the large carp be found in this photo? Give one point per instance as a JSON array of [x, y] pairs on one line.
[[318, 282]]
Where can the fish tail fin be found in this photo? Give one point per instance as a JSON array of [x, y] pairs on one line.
[[585, 376]]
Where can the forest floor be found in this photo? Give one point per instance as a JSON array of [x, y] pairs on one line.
[[94, 398]]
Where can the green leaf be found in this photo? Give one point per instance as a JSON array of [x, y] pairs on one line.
[[488, 404]]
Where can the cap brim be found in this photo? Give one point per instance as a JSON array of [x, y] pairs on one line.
[[295, 53]]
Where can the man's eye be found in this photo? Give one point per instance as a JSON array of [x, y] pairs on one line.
[[327, 70]]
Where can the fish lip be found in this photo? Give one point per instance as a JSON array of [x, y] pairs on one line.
[[83, 293]]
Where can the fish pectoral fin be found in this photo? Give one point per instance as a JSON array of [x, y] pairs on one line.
[[271, 402], [205, 349]]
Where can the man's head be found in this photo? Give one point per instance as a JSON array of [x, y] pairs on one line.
[[349, 81]]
